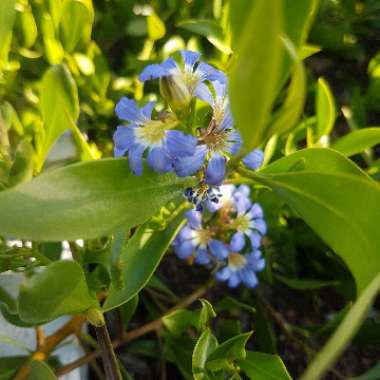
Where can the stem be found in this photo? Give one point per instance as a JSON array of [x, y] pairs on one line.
[[136, 333], [111, 367]]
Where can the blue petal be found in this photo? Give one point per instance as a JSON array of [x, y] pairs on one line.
[[237, 241], [123, 139], [159, 160], [216, 170], [234, 280], [248, 277], [194, 218], [189, 59], [243, 204], [257, 263], [254, 159], [158, 70], [127, 109], [207, 72], [147, 109], [184, 250], [223, 274], [256, 212], [260, 226], [220, 89], [179, 145], [255, 238], [135, 158], [185, 166], [234, 142], [201, 256], [203, 92], [218, 249]]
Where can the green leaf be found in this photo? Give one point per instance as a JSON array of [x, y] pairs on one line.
[[59, 289], [7, 17], [260, 366], [41, 370], [180, 320], [299, 15], [357, 141], [23, 165], [287, 116], [344, 333], [325, 107], [306, 284], [207, 312], [59, 103], [85, 200], [255, 72], [210, 29], [231, 349], [141, 257], [372, 374], [337, 199], [76, 23], [205, 345], [156, 27]]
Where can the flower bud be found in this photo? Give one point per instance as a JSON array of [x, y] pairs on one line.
[[176, 92]]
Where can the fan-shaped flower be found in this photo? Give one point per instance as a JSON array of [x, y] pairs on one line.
[[157, 136], [180, 83]]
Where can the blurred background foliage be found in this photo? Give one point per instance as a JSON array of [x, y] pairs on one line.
[[67, 62]]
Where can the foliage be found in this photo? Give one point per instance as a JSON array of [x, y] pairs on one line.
[[256, 163]]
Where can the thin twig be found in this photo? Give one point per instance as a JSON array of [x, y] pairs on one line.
[[136, 333]]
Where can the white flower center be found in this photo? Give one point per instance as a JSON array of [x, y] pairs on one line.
[[202, 237]]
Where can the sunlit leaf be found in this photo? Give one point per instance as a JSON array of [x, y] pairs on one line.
[[357, 141], [344, 333], [85, 200]]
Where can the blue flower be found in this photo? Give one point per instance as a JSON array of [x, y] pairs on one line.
[[163, 144], [194, 240], [240, 268], [219, 140], [249, 221], [180, 83]]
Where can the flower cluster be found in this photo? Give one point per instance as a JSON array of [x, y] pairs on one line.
[[226, 237], [167, 140]]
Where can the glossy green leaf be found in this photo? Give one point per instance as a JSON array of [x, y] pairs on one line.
[[337, 199], [179, 321], [260, 366], [372, 374], [299, 15], [23, 165], [287, 116], [306, 284], [205, 345], [325, 108], [141, 257], [344, 333], [210, 29], [76, 23], [207, 312], [53, 49], [85, 200], [59, 289], [41, 371], [59, 103], [7, 17], [230, 350], [255, 72], [156, 27], [357, 141]]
